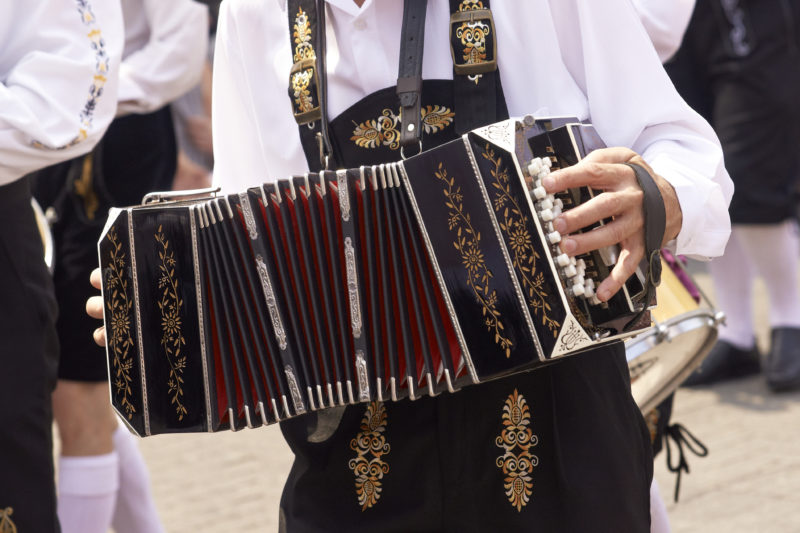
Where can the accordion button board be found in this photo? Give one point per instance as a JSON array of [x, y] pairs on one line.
[[381, 283]]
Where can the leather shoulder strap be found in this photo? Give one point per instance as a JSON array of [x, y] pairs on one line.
[[409, 74]]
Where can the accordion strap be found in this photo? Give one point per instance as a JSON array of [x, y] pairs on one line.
[[655, 220]]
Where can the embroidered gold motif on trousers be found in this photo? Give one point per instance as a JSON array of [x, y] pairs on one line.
[[120, 341], [384, 131], [517, 461], [370, 445], [468, 243], [6, 525], [652, 424], [172, 340]]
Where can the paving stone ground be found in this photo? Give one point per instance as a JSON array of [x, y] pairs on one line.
[[749, 483]]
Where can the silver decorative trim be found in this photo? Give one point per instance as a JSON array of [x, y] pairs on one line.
[[134, 275], [462, 343], [331, 400], [247, 212], [231, 418], [352, 287], [320, 397], [339, 392], [506, 255], [571, 338], [363, 378], [294, 390], [344, 197], [248, 420], [200, 322], [275, 410], [350, 392], [272, 303], [261, 410]]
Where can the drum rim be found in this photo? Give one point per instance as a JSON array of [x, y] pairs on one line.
[[679, 324]]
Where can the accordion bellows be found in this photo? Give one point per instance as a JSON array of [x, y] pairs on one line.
[[378, 283]]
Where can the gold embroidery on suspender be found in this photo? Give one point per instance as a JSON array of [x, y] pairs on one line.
[[303, 50], [120, 340], [517, 461], [473, 37], [383, 131], [172, 340], [6, 525], [370, 445], [468, 244], [514, 224]]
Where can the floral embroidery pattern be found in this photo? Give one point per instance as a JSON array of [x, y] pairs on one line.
[[99, 79], [370, 445], [516, 440], [6, 525], [473, 37], [515, 224], [384, 131], [303, 50], [172, 340], [468, 243], [120, 341]]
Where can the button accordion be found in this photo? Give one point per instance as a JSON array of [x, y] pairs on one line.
[[377, 283]]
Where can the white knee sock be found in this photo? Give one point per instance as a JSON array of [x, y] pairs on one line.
[[87, 492], [733, 275], [659, 520], [774, 249], [135, 511]]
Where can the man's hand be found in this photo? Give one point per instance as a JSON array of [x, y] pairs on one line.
[[94, 307], [620, 198]]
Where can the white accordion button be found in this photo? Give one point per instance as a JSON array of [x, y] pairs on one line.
[[540, 193], [547, 203], [534, 167], [562, 260], [547, 162], [559, 203], [578, 290], [546, 214], [570, 271], [554, 237]]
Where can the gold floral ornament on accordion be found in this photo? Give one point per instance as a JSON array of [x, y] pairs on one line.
[[370, 445], [120, 341], [383, 131], [517, 461], [172, 340], [468, 244], [515, 224]]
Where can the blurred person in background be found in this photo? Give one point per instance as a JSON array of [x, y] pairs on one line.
[[192, 116], [102, 479], [739, 67], [59, 63]]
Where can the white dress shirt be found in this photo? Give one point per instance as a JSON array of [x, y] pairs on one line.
[[58, 80], [665, 22], [586, 58], [165, 50]]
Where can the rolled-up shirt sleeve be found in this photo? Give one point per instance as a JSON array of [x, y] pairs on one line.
[[633, 103], [171, 62], [58, 81]]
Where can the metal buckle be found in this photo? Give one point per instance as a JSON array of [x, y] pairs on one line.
[[163, 197], [309, 115], [474, 17]]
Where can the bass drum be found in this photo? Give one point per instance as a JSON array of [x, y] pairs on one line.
[[45, 234], [683, 332]]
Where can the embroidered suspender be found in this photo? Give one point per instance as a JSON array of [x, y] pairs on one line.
[[473, 46], [307, 79]]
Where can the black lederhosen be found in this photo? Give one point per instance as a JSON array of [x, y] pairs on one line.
[[445, 463], [136, 156], [28, 360], [744, 78]]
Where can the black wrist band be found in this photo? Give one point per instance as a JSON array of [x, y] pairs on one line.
[[655, 222]]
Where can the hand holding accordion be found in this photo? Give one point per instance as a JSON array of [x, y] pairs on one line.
[[384, 282]]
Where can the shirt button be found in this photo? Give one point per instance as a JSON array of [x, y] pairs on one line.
[[360, 24]]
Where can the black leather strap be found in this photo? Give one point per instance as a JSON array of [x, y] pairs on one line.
[[324, 139], [409, 75], [655, 222]]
